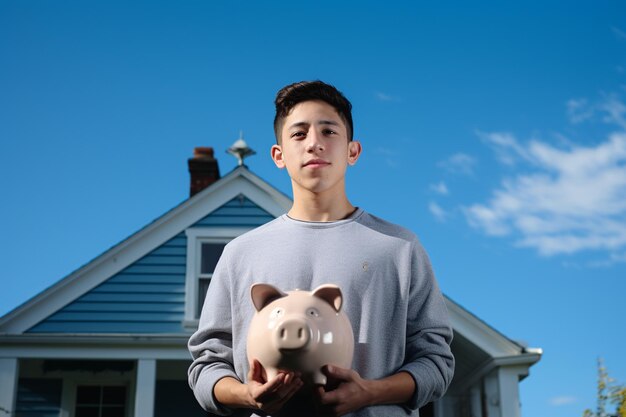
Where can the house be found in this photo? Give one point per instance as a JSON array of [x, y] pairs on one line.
[[110, 338]]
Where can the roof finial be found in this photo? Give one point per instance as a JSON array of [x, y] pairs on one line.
[[240, 149]]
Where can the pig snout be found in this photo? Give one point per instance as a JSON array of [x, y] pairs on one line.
[[292, 334]]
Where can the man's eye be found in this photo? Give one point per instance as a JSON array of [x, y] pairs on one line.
[[329, 132], [297, 134]]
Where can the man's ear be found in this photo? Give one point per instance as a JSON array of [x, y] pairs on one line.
[[354, 151], [277, 156]]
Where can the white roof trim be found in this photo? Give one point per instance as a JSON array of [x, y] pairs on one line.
[[95, 346], [494, 343], [522, 362], [238, 181], [92, 351]]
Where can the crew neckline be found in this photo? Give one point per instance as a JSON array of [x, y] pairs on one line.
[[323, 225]]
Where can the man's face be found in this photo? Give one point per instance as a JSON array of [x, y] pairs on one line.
[[315, 148]]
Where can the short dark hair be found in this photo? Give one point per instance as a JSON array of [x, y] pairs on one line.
[[289, 96]]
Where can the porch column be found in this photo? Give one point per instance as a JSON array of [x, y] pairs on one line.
[[509, 377], [145, 385], [492, 394], [502, 391], [476, 400], [8, 381]]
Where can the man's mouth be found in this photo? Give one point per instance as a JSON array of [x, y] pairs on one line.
[[316, 163]]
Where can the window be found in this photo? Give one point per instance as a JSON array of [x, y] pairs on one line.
[[100, 401], [210, 253], [204, 248]]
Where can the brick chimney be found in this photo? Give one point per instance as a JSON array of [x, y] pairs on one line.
[[203, 170]]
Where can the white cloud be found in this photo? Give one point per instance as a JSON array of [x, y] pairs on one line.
[[507, 150], [571, 200], [389, 156], [386, 97], [618, 258], [563, 400], [440, 188], [436, 210], [615, 111], [619, 34], [614, 258], [459, 163], [579, 110]]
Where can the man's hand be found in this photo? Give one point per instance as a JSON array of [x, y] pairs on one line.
[[346, 391], [270, 396]]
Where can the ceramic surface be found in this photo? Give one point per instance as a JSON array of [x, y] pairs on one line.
[[299, 331]]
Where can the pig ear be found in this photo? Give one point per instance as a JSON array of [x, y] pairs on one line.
[[331, 294], [263, 294]]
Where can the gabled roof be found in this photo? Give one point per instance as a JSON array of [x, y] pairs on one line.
[[237, 182], [479, 348]]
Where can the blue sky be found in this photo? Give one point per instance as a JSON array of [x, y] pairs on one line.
[[496, 132]]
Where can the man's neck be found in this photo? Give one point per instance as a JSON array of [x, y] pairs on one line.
[[318, 208]]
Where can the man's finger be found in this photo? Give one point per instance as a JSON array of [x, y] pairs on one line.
[[335, 373], [289, 378], [293, 387], [256, 371], [272, 386], [290, 385], [328, 397]]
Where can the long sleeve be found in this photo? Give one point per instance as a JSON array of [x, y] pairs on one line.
[[211, 345], [429, 334]]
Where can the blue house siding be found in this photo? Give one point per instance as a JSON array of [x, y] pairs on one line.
[[146, 297], [149, 295], [239, 211], [38, 398]]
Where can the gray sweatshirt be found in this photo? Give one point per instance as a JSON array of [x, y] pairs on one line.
[[391, 297]]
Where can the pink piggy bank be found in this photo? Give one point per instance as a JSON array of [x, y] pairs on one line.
[[299, 331]]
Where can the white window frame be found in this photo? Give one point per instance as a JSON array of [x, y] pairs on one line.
[[196, 236], [73, 379]]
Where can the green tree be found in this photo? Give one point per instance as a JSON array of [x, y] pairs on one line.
[[609, 393]]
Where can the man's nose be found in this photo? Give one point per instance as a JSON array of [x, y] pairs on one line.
[[314, 142]]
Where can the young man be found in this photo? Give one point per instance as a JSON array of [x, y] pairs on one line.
[[402, 357]]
